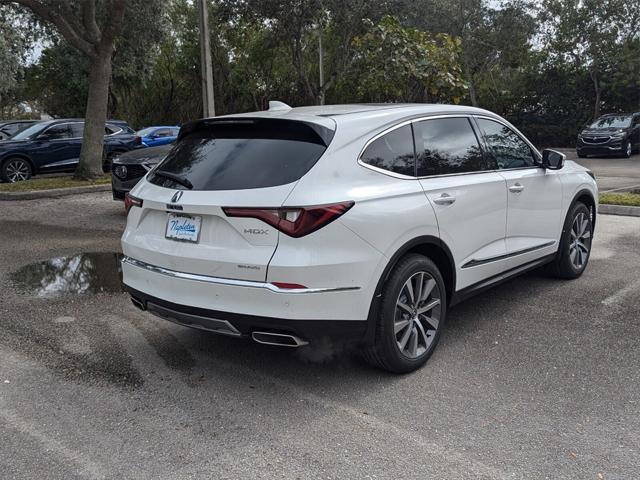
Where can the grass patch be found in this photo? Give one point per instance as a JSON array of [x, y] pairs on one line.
[[48, 183], [629, 199]]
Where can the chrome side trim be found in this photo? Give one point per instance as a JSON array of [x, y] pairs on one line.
[[475, 263], [229, 281]]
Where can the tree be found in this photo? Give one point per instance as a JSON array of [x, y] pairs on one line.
[[588, 33], [396, 63], [91, 27], [14, 47]]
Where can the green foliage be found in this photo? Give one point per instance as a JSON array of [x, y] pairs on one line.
[[628, 199], [396, 63], [545, 65]]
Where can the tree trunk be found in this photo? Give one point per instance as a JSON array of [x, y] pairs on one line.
[[469, 77], [90, 164]]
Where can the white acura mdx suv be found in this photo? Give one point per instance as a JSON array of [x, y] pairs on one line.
[[365, 222]]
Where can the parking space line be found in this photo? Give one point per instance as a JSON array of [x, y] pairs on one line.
[[86, 467], [620, 294]]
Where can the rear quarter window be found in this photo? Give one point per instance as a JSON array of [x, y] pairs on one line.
[[392, 151], [238, 155]]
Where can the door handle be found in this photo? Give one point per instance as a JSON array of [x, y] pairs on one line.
[[444, 199], [517, 188]]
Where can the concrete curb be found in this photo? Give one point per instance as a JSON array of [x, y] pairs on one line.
[[54, 192], [619, 210]]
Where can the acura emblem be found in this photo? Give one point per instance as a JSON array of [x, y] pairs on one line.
[[176, 196]]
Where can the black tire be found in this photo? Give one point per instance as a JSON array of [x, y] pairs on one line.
[[16, 170], [581, 155], [386, 352], [564, 265]]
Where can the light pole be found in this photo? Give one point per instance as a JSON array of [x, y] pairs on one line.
[[206, 69]]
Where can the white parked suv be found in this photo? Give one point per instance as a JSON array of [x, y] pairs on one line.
[[357, 221]]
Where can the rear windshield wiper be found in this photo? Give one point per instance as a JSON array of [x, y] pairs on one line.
[[176, 178]]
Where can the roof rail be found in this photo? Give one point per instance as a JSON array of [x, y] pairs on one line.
[[275, 106]]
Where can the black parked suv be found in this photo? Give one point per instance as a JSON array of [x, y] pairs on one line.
[[54, 146], [128, 168], [613, 133]]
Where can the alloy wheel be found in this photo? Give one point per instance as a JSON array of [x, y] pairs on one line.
[[628, 152], [580, 241], [17, 171], [417, 314]]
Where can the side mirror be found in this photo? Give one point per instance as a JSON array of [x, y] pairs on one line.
[[552, 160]]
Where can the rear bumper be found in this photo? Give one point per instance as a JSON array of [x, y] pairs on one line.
[[207, 302], [240, 325]]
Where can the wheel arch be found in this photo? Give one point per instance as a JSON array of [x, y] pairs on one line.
[[586, 197], [427, 245], [22, 156]]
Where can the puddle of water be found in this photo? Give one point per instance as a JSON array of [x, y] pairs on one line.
[[85, 273]]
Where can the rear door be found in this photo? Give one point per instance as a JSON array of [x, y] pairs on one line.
[[469, 201], [534, 194], [248, 163]]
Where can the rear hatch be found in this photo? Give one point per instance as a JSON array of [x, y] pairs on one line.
[[216, 164]]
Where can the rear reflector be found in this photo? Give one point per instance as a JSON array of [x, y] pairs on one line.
[[131, 201], [295, 222]]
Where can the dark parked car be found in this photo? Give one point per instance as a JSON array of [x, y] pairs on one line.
[[130, 167], [614, 133], [54, 146], [9, 128]]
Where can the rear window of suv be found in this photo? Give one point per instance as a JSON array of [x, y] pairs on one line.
[[243, 154]]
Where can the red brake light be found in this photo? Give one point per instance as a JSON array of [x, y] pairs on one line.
[[131, 201], [137, 140], [295, 222]]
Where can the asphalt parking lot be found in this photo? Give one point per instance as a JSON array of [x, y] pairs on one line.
[[612, 173], [537, 378]]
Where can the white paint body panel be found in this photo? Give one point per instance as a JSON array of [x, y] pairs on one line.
[[473, 225], [485, 221]]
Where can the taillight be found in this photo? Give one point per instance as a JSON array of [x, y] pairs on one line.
[[295, 222], [131, 201], [137, 140]]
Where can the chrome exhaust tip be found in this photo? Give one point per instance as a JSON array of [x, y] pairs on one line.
[[138, 303], [278, 339]]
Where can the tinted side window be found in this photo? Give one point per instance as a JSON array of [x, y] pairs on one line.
[[447, 145], [392, 151], [77, 130], [506, 148], [244, 154], [56, 132], [163, 133], [11, 129]]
